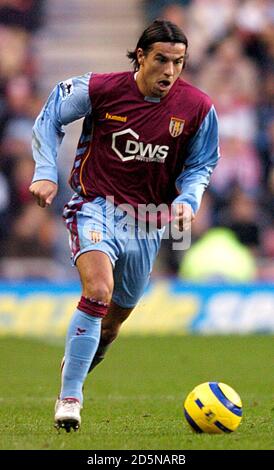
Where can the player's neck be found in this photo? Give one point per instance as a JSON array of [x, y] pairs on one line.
[[142, 92], [140, 83]]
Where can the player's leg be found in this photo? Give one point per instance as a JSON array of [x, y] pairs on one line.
[[83, 334], [110, 327], [95, 254], [131, 276]]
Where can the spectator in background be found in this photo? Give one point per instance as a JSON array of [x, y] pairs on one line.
[[269, 193], [166, 9], [242, 214], [208, 22], [230, 75], [240, 166], [4, 211], [265, 128], [14, 54], [25, 14], [24, 231], [265, 264], [218, 256]]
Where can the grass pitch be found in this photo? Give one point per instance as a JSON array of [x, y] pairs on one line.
[[133, 400]]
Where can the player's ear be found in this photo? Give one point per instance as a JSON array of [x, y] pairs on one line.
[[140, 56]]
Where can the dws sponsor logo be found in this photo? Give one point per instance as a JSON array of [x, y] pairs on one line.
[[128, 149]]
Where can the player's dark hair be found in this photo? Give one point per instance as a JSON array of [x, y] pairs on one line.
[[158, 31]]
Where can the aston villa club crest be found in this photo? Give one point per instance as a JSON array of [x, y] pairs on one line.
[[176, 126], [95, 236]]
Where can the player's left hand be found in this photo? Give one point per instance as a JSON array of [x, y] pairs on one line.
[[183, 216]]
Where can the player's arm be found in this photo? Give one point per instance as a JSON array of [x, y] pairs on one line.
[[202, 157], [68, 102]]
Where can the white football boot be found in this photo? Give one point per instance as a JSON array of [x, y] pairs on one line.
[[67, 414]]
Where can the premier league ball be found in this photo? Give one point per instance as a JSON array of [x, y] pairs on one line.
[[213, 407]]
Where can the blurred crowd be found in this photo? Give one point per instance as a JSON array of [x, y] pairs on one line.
[[231, 57], [27, 233]]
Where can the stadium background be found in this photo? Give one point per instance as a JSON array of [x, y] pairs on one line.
[[222, 285], [231, 57]]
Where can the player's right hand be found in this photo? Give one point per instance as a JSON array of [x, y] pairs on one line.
[[44, 191]]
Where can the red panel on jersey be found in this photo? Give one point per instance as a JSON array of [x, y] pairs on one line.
[[138, 146]]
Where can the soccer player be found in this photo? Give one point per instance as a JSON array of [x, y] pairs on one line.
[[148, 137]]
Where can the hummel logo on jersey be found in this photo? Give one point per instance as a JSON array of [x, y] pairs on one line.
[[129, 149], [114, 117]]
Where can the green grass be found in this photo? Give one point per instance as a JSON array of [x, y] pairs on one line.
[[134, 399]]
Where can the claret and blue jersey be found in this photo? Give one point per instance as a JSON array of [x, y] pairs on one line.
[[140, 151], [137, 149]]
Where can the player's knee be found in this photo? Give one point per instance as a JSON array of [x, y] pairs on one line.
[[100, 292]]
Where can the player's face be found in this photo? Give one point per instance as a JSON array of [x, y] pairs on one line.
[[160, 68]]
